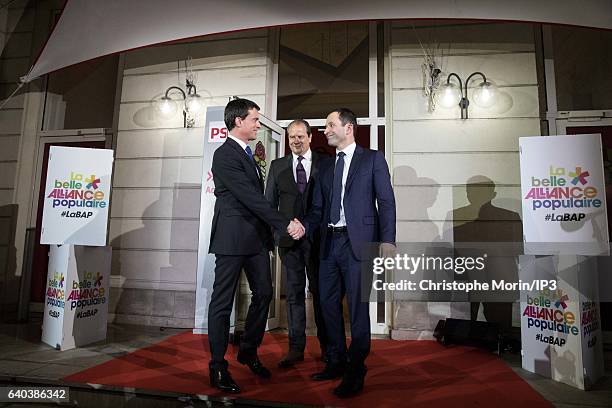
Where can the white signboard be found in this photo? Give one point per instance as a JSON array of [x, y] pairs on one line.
[[77, 194], [561, 335], [76, 300], [563, 195], [564, 215]]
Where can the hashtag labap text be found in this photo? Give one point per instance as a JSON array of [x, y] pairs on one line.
[[77, 214], [564, 217], [550, 340]]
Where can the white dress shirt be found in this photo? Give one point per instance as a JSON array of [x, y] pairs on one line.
[[349, 151], [307, 163], [240, 142]]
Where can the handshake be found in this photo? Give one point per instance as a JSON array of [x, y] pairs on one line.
[[296, 229]]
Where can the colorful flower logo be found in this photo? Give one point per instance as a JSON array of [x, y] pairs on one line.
[[93, 182], [561, 302], [98, 281], [579, 176]]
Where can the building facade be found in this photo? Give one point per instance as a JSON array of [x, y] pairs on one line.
[[437, 159]]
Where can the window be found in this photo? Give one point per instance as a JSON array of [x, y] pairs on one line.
[[322, 67], [82, 96], [583, 62]]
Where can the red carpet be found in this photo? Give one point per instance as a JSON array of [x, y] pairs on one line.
[[401, 373]]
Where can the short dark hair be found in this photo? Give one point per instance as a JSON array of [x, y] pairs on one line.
[[238, 108], [300, 122], [347, 116]]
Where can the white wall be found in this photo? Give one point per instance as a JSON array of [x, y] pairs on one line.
[[10, 130], [15, 45], [156, 187], [435, 154]]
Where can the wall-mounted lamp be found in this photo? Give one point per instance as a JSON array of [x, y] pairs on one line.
[[192, 103], [484, 95]]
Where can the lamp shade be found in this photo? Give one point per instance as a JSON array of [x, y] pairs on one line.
[[450, 95], [485, 95], [166, 106], [193, 103]]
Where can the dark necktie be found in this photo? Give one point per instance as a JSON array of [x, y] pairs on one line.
[[300, 174], [334, 217], [250, 153]]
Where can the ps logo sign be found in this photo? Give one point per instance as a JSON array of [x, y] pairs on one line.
[[217, 132]]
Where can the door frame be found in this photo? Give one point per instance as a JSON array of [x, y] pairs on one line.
[[566, 119], [273, 321], [373, 120], [381, 307]]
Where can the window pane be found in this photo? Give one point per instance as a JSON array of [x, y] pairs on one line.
[[583, 62], [319, 141], [380, 69], [82, 96], [322, 67]]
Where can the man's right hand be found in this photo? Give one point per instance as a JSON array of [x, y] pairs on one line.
[[296, 229]]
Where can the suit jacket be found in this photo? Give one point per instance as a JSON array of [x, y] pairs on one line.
[[242, 217], [282, 192], [368, 184]]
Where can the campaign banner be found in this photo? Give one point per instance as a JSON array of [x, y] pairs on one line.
[[55, 296], [564, 217], [215, 134], [76, 301], [561, 334], [77, 195], [563, 195]]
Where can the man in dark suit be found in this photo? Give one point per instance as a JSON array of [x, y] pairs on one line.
[[290, 188], [354, 205], [240, 238]]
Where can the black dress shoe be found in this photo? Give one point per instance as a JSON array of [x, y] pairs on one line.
[[221, 379], [352, 382], [254, 364], [324, 355], [292, 357], [331, 371]]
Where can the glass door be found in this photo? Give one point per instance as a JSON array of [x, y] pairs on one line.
[[265, 149]]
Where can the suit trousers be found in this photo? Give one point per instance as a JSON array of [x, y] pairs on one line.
[[298, 263], [341, 272], [227, 276]]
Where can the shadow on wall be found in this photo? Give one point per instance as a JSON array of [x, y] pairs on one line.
[[482, 222], [565, 365], [156, 255], [149, 116], [415, 196], [504, 102], [9, 281], [131, 305]]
